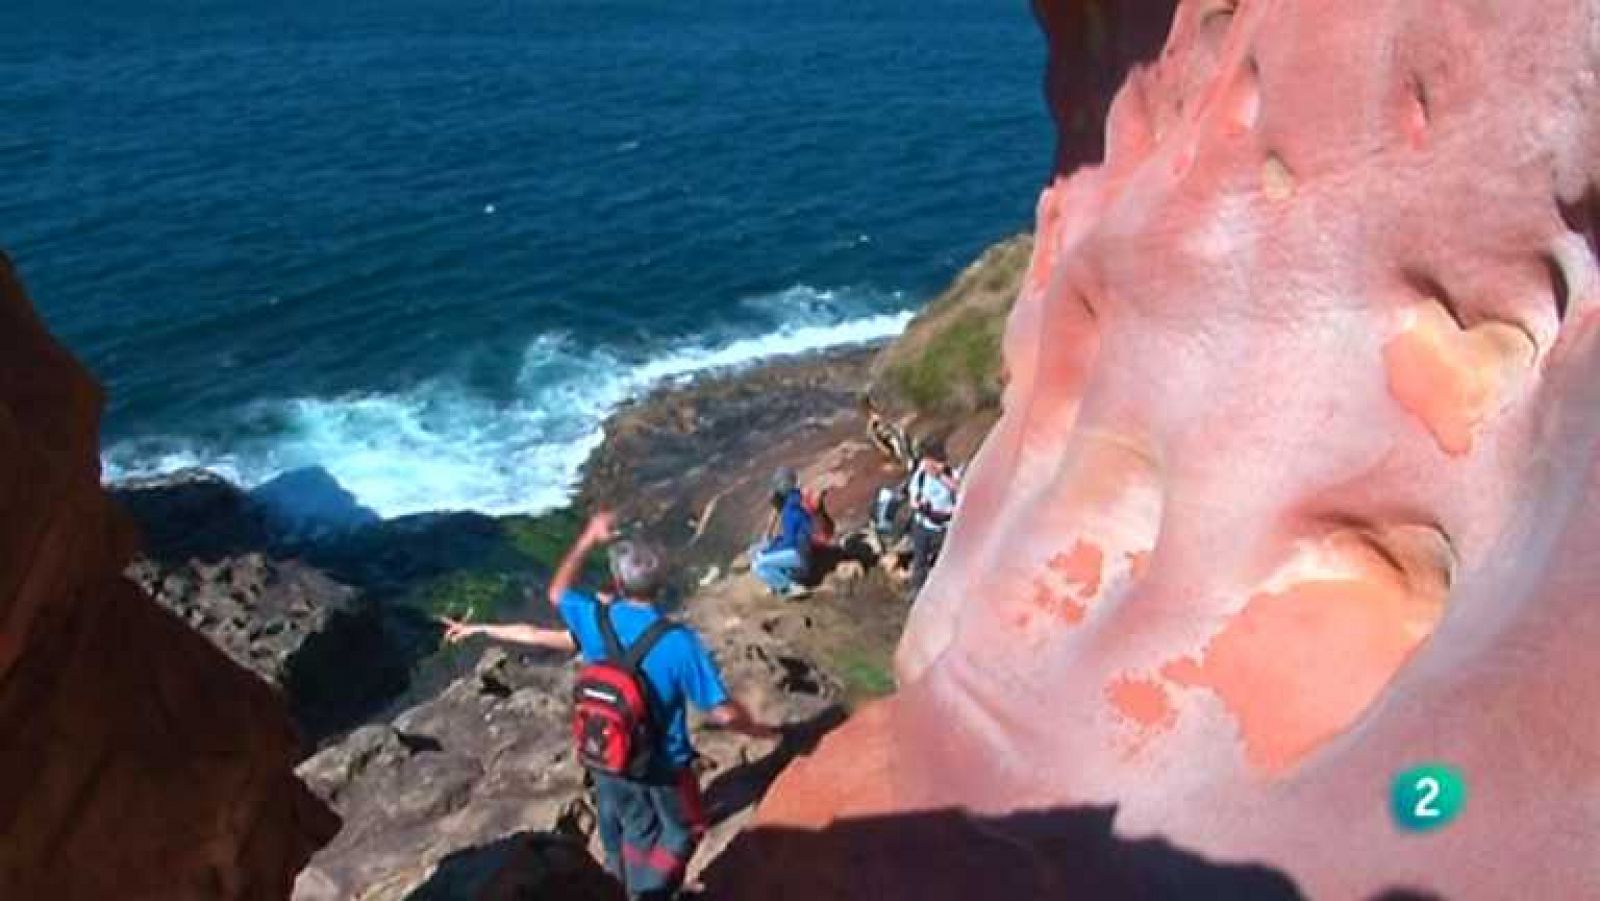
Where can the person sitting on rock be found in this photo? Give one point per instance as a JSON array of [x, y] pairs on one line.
[[932, 492], [782, 559], [649, 824]]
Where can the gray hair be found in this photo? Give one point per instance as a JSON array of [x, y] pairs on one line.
[[784, 481], [638, 569]]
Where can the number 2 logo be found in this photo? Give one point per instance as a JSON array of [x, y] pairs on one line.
[[1428, 791], [1427, 797]]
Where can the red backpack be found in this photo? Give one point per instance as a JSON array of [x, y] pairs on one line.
[[611, 721]]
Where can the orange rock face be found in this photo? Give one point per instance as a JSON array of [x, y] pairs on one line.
[[1296, 486], [136, 762]]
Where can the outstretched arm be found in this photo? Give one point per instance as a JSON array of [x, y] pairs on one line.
[[597, 532], [515, 633], [735, 718]]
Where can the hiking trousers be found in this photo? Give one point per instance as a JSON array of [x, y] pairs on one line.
[[926, 542], [780, 569], [650, 830]]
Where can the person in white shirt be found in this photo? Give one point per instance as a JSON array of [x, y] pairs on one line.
[[933, 491]]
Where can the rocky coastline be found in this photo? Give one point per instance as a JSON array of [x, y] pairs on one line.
[[448, 764]]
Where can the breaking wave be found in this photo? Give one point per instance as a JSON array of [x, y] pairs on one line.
[[441, 446]]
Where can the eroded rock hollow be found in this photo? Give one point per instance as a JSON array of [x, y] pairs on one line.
[[136, 761], [1295, 488]]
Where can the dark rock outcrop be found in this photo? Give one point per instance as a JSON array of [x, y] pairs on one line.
[[192, 515], [136, 762], [219, 560], [258, 610]]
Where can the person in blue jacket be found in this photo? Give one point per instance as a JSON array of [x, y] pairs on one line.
[[783, 558]]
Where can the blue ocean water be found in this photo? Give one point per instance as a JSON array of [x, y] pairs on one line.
[[428, 244]]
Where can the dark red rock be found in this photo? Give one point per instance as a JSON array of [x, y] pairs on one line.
[[136, 761]]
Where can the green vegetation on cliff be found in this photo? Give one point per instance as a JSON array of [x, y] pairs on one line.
[[959, 366], [487, 568], [866, 674], [949, 359]]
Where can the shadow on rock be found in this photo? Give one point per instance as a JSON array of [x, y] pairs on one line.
[[952, 855], [524, 867], [742, 786], [356, 666]]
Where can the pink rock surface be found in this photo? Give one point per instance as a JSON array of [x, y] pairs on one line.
[[1296, 485]]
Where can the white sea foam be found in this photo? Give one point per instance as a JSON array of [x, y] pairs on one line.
[[442, 447]]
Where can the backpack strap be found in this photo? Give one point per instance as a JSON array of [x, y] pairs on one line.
[[629, 658], [647, 641], [608, 632]]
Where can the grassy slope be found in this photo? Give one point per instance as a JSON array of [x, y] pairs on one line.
[[948, 362]]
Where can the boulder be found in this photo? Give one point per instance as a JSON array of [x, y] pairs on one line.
[[432, 796], [258, 610]]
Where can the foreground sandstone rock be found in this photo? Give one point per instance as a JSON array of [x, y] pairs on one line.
[[136, 761], [1296, 488]]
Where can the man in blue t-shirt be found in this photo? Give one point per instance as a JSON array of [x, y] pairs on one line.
[[783, 557], [649, 827]]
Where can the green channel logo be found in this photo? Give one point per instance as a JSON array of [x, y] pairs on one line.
[[1427, 797]]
